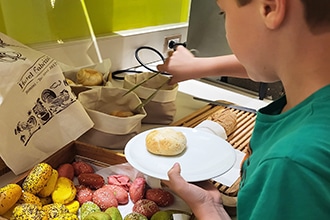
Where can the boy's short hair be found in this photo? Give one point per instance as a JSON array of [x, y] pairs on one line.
[[316, 11]]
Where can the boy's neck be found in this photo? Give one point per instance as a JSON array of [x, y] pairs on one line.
[[308, 70]]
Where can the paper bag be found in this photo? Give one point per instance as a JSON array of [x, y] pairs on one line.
[[103, 104], [161, 109], [39, 113]]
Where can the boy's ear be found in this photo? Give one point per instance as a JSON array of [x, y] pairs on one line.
[[273, 12]]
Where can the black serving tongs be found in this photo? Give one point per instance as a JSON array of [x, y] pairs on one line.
[[172, 45], [148, 68]]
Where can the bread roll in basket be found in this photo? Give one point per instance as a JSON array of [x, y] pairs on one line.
[[89, 77], [108, 109]]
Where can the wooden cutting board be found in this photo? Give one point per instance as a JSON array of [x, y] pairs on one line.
[[239, 138]]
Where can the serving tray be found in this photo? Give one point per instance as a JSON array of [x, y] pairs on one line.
[[239, 138], [76, 149]]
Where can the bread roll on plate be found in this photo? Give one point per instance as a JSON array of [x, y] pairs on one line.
[[166, 142]]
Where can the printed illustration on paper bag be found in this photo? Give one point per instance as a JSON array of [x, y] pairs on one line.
[[51, 101], [44, 109]]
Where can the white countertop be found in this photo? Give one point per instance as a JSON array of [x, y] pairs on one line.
[[218, 92]]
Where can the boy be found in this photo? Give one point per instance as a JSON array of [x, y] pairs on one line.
[[287, 175]]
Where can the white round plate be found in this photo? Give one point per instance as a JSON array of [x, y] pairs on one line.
[[205, 157]]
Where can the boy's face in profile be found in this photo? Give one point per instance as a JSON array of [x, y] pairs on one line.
[[247, 35]]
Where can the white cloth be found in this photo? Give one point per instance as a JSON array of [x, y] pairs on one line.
[[212, 127], [233, 174]]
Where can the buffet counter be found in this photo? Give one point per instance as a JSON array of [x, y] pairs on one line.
[[186, 105]]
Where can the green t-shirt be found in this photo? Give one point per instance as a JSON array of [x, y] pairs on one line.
[[287, 175]]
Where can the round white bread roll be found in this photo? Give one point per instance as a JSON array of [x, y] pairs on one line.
[[166, 141]]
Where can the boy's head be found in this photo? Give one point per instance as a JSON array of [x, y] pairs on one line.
[[276, 32], [316, 11]]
